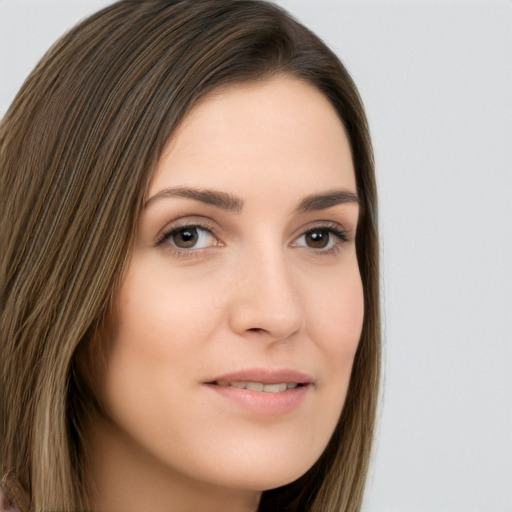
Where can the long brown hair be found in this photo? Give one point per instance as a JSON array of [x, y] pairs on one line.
[[78, 148]]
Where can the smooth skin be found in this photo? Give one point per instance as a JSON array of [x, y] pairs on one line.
[[232, 269]]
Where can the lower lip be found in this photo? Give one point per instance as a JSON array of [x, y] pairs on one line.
[[262, 403]]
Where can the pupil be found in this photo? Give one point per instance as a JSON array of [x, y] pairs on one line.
[[317, 239], [185, 238]]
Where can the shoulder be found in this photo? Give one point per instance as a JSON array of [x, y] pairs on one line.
[[12, 496]]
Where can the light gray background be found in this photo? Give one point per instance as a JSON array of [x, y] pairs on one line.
[[436, 78]]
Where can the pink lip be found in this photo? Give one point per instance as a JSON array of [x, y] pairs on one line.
[[265, 376], [261, 403]]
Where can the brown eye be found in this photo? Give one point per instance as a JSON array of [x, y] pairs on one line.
[[185, 238], [317, 238], [322, 239], [189, 238]]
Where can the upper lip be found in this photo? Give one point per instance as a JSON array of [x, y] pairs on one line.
[[264, 376]]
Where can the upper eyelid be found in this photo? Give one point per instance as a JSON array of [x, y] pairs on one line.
[[325, 224], [337, 231], [209, 224], [187, 222], [162, 238]]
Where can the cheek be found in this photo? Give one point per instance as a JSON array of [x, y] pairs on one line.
[[336, 311], [157, 337], [157, 313], [335, 324]]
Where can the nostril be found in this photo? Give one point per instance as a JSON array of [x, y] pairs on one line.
[[266, 316]]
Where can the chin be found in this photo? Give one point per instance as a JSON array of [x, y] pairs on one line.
[[263, 472]]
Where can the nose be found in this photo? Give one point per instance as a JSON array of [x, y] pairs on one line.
[[265, 303]]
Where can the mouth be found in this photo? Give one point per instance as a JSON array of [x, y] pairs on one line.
[[263, 391], [278, 387]]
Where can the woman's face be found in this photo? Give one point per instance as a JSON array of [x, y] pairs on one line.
[[241, 309]]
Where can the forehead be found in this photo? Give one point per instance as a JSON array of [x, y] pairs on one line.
[[280, 133]]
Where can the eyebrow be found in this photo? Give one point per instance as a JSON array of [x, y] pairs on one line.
[[326, 200], [216, 198], [232, 203]]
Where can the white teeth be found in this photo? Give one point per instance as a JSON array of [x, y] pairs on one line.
[[274, 388], [254, 386], [258, 386]]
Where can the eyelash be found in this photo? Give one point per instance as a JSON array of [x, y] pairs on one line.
[[166, 236], [331, 228]]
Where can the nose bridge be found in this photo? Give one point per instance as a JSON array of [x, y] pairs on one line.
[[267, 299]]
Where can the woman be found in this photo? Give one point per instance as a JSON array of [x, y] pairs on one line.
[[190, 308]]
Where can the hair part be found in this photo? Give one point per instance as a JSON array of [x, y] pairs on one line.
[[78, 148]]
